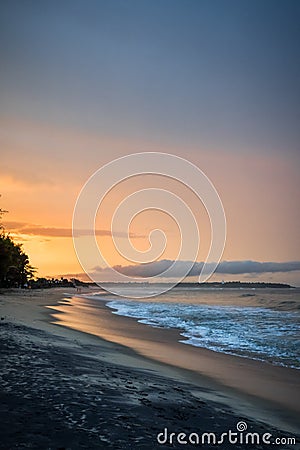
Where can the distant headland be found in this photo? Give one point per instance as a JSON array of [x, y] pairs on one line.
[[74, 282], [237, 285]]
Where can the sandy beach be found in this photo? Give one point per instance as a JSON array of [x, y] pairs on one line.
[[123, 385]]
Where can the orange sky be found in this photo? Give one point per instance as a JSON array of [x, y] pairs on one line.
[[39, 188]]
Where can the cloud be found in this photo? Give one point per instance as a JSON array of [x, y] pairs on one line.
[[39, 230], [180, 268], [239, 267]]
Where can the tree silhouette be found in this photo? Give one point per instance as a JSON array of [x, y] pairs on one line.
[[15, 270]]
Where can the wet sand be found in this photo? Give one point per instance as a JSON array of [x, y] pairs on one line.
[[62, 388], [266, 391]]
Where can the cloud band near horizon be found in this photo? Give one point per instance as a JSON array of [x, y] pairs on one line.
[[157, 268]]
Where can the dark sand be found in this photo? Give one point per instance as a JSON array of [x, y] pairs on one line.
[[64, 389], [273, 387]]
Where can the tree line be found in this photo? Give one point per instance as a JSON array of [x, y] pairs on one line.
[[15, 268]]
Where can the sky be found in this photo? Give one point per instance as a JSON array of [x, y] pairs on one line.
[[214, 82]]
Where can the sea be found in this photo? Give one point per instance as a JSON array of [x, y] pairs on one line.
[[261, 324]]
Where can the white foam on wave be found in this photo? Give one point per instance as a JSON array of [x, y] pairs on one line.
[[251, 332]]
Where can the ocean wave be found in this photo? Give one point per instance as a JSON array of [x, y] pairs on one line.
[[251, 332]]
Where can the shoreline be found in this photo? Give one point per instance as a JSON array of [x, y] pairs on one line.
[[157, 392], [257, 389]]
